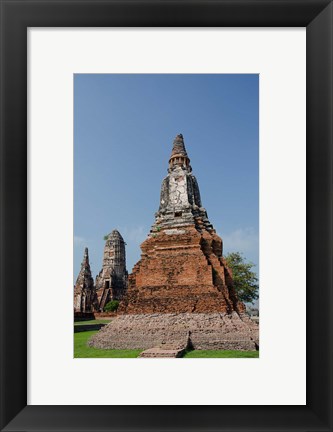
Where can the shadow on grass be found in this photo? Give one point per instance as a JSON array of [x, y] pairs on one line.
[[89, 327]]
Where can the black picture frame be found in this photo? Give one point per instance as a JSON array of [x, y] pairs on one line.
[[16, 17]]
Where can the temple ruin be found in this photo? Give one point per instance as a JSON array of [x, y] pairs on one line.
[[181, 291], [111, 282], [84, 290]]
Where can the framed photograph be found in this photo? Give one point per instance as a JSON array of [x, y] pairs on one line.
[[178, 137], [193, 298]]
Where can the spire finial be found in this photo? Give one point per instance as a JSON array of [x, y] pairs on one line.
[[85, 257], [179, 146]]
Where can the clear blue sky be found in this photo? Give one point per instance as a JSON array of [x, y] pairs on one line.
[[124, 126]]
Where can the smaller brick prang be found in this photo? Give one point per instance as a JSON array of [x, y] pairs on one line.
[[84, 290]]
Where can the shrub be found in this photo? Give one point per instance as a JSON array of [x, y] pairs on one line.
[[111, 306]]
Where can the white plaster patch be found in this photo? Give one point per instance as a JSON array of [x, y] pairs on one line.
[[178, 192], [174, 231]]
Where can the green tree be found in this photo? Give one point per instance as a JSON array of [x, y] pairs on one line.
[[245, 279], [111, 306]]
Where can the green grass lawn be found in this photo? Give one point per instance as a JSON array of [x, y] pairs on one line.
[[97, 321], [81, 350], [221, 354]]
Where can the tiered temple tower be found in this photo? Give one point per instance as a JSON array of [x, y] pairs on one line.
[[84, 287], [180, 202], [111, 282], [181, 267], [181, 291]]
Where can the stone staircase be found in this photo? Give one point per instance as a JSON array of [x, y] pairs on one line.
[[166, 350], [158, 352]]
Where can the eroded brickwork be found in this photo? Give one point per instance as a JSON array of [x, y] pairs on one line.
[[199, 330], [180, 272]]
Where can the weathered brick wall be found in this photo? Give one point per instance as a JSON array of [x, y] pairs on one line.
[[83, 316], [202, 331], [98, 315], [181, 272]]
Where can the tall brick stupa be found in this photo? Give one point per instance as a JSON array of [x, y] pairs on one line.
[[181, 288], [181, 268]]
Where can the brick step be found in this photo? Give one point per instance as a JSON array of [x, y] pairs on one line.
[[159, 352]]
